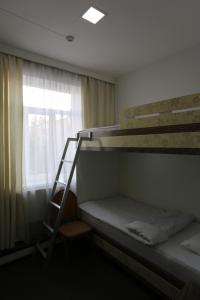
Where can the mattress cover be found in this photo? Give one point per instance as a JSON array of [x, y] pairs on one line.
[[169, 256], [104, 128]]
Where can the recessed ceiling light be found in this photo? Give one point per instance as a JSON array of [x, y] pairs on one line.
[[93, 15]]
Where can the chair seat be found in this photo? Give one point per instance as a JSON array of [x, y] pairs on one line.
[[74, 229]]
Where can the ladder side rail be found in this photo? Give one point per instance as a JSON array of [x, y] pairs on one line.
[[58, 173], [60, 165], [65, 194], [64, 198]]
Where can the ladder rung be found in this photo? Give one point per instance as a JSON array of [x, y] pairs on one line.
[[55, 204], [42, 252], [67, 161], [48, 227], [61, 182]]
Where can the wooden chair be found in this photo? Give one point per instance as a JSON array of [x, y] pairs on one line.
[[72, 226]]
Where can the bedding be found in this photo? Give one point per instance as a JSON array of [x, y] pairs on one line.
[[168, 256], [120, 211], [192, 244], [147, 233], [160, 229]]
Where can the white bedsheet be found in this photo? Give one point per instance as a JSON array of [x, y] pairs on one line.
[[121, 211], [169, 256], [192, 244], [104, 128]]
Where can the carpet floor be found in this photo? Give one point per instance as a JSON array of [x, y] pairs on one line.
[[87, 274]]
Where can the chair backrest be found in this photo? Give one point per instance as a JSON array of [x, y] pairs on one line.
[[71, 207]]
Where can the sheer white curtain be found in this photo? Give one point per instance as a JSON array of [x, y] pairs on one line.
[[51, 113]]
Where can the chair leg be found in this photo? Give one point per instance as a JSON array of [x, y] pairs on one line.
[[91, 241], [66, 250]]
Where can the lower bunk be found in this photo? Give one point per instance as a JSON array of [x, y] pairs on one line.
[[168, 266]]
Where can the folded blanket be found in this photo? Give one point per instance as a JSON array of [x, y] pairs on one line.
[[160, 229], [146, 233], [192, 244]]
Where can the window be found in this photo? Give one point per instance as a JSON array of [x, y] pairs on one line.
[[51, 115]]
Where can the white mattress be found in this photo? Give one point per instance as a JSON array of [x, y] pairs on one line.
[[109, 216], [105, 128]]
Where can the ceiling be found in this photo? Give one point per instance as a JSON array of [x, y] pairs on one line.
[[133, 34]]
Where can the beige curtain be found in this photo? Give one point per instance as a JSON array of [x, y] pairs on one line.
[[98, 103], [11, 204]]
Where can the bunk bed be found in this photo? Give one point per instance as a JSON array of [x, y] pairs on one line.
[[168, 126]]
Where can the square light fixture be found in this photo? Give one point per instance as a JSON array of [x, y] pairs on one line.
[[93, 15]]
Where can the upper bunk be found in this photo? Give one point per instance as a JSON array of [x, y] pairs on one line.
[[167, 126]]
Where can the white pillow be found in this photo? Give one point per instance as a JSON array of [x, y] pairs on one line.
[[192, 244], [146, 233], [176, 222]]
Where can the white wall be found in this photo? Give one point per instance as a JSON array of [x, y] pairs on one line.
[[169, 181], [177, 75], [165, 180], [97, 175]]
